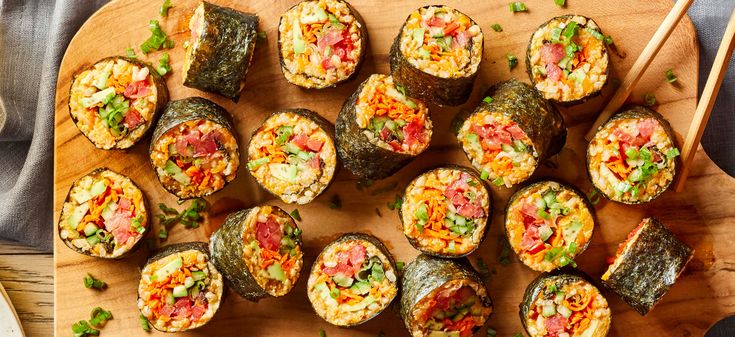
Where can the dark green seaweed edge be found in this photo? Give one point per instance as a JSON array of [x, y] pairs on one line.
[[563, 185], [427, 87], [641, 279], [226, 49], [415, 244], [135, 246], [529, 71], [188, 109], [635, 112], [425, 274], [226, 247], [161, 98], [359, 155], [360, 60], [381, 247]]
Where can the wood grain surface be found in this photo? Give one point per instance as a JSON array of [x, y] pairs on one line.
[[701, 215]]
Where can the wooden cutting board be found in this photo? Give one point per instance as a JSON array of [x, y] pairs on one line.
[[702, 215]]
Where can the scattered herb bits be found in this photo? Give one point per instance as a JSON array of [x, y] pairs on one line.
[[335, 202], [157, 39], [82, 329], [100, 317], [129, 52], [649, 99], [163, 65], [487, 99], [322, 333], [295, 214], [262, 36], [670, 77], [496, 27], [164, 8], [560, 3], [518, 6], [144, 323], [93, 283]]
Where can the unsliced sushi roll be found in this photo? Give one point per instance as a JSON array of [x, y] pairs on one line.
[[220, 50], [510, 133], [258, 250], [443, 298], [180, 289], [632, 157], [353, 280], [292, 155], [564, 303], [446, 212], [437, 54], [646, 265], [567, 59], [115, 101], [194, 148], [548, 224], [104, 215], [380, 129], [321, 43]]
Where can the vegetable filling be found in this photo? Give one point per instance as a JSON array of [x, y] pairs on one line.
[[568, 308], [453, 313]]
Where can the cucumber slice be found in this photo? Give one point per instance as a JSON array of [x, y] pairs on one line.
[[198, 275], [189, 282], [176, 173], [169, 269], [276, 272], [98, 188], [548, 311], [180, 291], [343, 280], [77, 215], [360, 288], [90, 229]]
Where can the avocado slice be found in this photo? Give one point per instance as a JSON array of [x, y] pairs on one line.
[[276, 272], [343, 280], [77, 215]]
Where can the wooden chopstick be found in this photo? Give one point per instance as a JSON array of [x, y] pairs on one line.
[[640, 65], [706, 102]]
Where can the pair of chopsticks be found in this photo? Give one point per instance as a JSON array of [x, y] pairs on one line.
[[709, 94]]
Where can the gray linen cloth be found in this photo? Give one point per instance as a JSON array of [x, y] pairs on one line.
[[34, 36]]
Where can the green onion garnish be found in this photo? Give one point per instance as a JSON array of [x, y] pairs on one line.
[[498, 181], [163, 65], [487, 99], [99, 317], [262, 36], [144, 323], [670, 77], [93, 283], [322, 333], [165, 7], [560, 3], [295, 214], [129, 52], [609, 40], [400, 265], [82, 329], [512, 61], [484, 175], [334, 293], [157, 39], [496, 27], [650, 99], [517, 6], [163, 234], [335, 202], [672, 153]]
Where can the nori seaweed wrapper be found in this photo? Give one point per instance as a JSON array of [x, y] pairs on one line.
[[221, 61], [188, 109], [425, 274], [650, 267], [538, 118], [564, 275], [226, 246], [362, 52], [375, 242], [429, 88], [637, 112], [158, 81], [489, 214], [359, 155], [529, 69]]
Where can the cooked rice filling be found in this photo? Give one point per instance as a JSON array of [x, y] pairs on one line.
[[498, 148], [455, 309], [391, 119], [113, 103], [320, 43], [443, 42], [272, 249], [445, 211]]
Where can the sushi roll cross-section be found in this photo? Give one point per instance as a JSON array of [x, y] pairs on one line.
[[180, 289], [293, 156], [443, 298], [548, 224], [258, 250], [567, 59], [446, 212], [380, 129], [564, 303], [352, 280], [194, 150], [437, 54], [646, 265], [321, 43], [632, 157], [220, 50], [510, 133], [104, 215], [116, 101]]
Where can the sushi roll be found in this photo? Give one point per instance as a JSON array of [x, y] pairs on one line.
[[567, 59], [564, 303], [258, 250], [548, 224], [321, 43], [380, 129], [632, 157], [180, 289], [443, 298], [220, 49], [437, 54], [116, 101], [292, 155], [510, 133], [446, 212], [104, 215], [194, 148], [646, 265], [352, 280]]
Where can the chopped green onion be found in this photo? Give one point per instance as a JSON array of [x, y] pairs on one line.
[[255, 163], [322, 333], [400, 265], [487, 99], [609, 40], [496, 27], [517, 6], [672, 153], [560, 3], [570, 31], [670, 77], [491, 332], [129, 52], [556, 35], [334, 293], [650, 99], [144, 323], [295, 214], [163, 65], [335, 202], [484, 175], [596, 33], [517, 334], [262, 36], [512, 61], [572, 248], [100, 317], [93, 283], [498, 181], [82, 329], [163, 234], [165, 7], [157, 39]]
